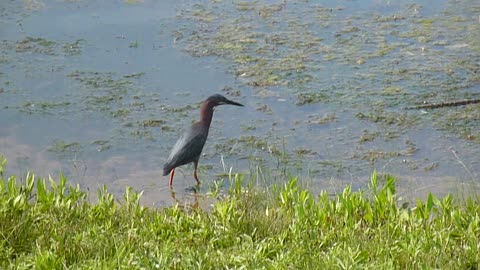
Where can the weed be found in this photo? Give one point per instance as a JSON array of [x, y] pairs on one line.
[[55, 226]]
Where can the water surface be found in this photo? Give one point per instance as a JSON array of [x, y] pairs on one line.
[[101, 90]]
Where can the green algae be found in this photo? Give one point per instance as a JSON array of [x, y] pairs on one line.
[[134, 75], [368, 136], [430, 166], [463, 121], [74, 48], [320, 120], [365, 63], [39, 45], [123, 112], [265, 108], [102, 145], [36, 45], [383, 117], [311, 97], [133, 44], [104, 92], [43, 107], [153, 123], [369, 65], [65, 148], [303, 152]]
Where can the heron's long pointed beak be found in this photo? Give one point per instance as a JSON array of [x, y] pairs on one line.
[[233, 103]]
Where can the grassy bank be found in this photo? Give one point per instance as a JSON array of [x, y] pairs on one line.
[[57, 227]]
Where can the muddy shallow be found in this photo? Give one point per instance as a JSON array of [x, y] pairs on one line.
[[101, 91]]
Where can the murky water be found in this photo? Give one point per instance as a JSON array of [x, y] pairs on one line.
[[101, 90]]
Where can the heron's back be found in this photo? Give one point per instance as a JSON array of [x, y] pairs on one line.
[[188, 148]]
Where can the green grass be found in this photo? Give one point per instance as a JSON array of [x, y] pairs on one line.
[[48, 224]]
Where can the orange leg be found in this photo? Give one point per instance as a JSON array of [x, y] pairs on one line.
[[195, 173], [172, 172]]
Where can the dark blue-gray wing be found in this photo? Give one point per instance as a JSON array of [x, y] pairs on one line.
[[187, 149]]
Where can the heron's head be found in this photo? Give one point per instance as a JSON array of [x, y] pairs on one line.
[[217, 99]]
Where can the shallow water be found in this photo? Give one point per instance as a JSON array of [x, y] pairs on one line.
[[101, 91]]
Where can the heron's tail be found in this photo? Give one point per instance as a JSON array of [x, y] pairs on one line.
[[167, 168]]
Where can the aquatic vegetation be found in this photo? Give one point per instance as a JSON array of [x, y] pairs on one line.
[[134, 75], [303, 152], [464, 121], [379, 115], [74, 48], [320, 120], [384, 52], [232, 91], [35, 45], [265, 108], [311, 97], [368, 136], [43, 107], [121, 113], [65, 148], [248, 128], [33, 5], [133, 44], [104, 92], [39, 45], [333, 78], [102, 145], [153, 123], [52, 224]]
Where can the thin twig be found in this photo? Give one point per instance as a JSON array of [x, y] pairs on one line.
[[463, 164]]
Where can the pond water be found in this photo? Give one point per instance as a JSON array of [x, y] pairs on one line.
[[101, 90]]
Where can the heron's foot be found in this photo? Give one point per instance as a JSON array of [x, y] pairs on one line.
[[193, 189]]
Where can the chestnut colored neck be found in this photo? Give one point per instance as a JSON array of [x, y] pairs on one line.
[[206, 114]]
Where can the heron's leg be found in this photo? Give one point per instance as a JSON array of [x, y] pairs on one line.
[[172, 172], [195, 172]]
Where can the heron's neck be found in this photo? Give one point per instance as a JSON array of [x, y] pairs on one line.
[[206, 114]]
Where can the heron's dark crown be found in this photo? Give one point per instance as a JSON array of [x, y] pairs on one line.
[[218, 99]]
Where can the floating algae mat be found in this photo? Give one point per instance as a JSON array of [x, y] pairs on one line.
[[377, 58], [333, 90], [366, 63]]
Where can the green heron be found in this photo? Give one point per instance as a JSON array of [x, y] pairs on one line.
[[189, 147]]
